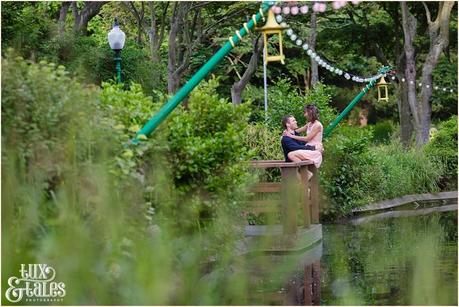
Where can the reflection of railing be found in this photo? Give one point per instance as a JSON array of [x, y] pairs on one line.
[[295, 190], [297, 283]]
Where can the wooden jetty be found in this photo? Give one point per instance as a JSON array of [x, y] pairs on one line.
[[296, 192]]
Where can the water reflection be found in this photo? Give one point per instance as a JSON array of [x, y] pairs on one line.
[[287, 279], [393, 261]]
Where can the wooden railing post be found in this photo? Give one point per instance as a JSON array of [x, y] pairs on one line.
[[305, 202], [314, 194], [289, 199]]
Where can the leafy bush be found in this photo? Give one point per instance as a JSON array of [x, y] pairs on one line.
[[396, 172], [60, 133], [263, 142], [207, 151], [382, 131], [345, 159], [443, 148], [354, 173]]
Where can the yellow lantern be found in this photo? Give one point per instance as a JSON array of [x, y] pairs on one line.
[[383, 94], [271, 27]]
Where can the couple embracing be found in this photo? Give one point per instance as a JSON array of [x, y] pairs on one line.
[[299, 148]]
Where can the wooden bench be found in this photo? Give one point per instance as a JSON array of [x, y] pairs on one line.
[[295, 191]]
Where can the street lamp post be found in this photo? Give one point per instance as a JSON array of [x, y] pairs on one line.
[[116, 39]]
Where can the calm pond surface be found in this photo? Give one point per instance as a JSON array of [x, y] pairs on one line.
[[390, 261]]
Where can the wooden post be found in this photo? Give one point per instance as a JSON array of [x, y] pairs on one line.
[[305, 196], [314, 194], [308, 285], [316, 283], [289, 199]]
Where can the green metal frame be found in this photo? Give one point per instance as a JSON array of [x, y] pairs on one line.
[[384, 70], [167, 108]]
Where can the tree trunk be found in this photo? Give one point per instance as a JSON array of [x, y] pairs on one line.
[[139, 17], [238, 87], [182, 40], [312, 44], [439, 40], [404, 112], [90, 9], [63, 16], [157, 30], [409, 30], [173, 76]]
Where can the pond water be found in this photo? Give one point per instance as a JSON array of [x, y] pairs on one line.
[[390, 261]]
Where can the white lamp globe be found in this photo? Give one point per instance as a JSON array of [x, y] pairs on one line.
[[116, 37]]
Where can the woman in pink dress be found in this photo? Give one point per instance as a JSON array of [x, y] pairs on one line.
[[314, 132]]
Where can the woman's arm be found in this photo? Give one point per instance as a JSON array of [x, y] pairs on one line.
[[302, 129], [316, 129], [296, 137]]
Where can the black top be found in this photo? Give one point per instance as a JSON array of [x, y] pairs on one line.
[[289, 144]]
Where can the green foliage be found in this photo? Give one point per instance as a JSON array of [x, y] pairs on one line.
[[444, 104], [208, 156], [443, 148], [74, 189], [265, 143], [41, 110], [345, 159], [358, 174], [382, 131], [207, 138], [25, 26], [321, 96], [285, 99]]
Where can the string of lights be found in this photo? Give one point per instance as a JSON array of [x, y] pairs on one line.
[[320, 61], [333, 69], [293, 8]]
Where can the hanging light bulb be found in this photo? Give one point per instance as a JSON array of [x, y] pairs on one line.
[[299, 42], [304, 9], [309, 52], [279, 18], [293, 37], [294, 10], [289, 32], [305, 46], [316, 7], [286, 10]]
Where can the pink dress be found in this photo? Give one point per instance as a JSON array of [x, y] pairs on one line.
[[314, 155]]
